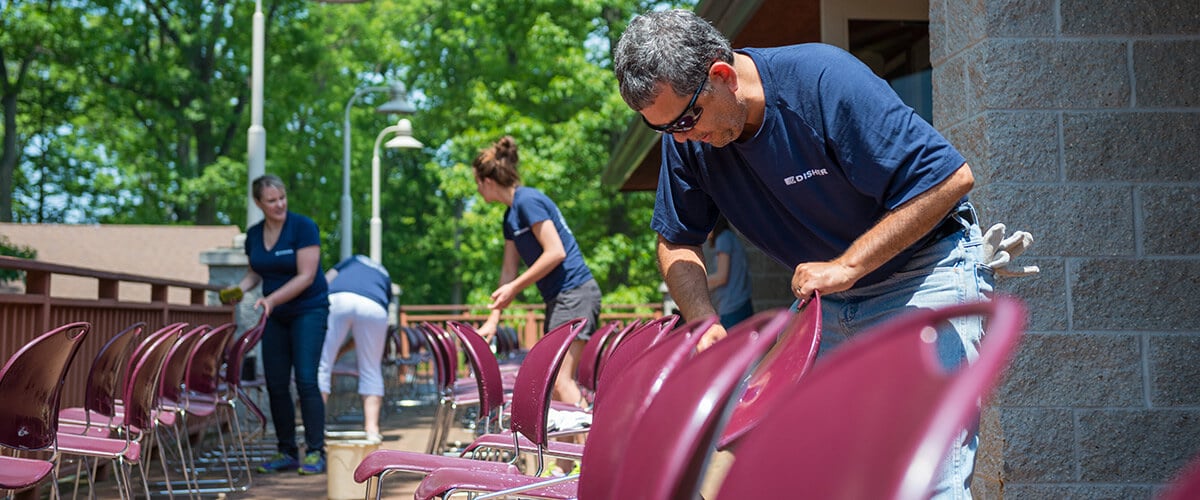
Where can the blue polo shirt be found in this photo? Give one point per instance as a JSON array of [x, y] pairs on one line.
[[529, 207], [363, 276], [837, 150], [278, 265]]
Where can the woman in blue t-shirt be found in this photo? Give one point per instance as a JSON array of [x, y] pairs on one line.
[[284, 251], [536, 233]]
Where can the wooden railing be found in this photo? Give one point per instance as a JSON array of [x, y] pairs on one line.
[[25, 315], [527, 319]]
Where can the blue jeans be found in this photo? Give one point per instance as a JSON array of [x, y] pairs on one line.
[[736, 316], [946, 272], [291, 347]]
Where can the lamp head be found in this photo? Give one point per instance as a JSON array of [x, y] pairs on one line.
[[398, 105], [404, 138]]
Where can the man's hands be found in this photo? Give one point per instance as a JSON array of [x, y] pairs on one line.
[[826, 277], [711, 336], [998, 251]]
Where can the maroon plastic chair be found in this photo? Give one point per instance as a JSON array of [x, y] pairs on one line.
[[531, 402], [489, 386], [783, 368], [657, 452], [102, 388], [139, 395], [453, 393], [875, 418], [589, 358], [527, 416], [199, 397], [235, 399], [169, 411], [30, 387], [1186, 485], [612, 344]]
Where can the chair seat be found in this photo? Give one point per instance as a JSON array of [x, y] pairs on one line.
[[17, 473], [504, 441], [22, 473], [440, 480], [408, 461], [85, 430], [78, 415], [99, 447]]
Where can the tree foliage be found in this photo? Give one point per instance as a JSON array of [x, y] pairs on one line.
[[136, 112]]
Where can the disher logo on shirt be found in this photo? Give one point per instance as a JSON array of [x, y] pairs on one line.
[[793, 179]]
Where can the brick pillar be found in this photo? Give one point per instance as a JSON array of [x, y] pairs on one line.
[[1081, 120]]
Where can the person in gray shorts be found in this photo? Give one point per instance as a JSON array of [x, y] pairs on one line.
[[536, 233]]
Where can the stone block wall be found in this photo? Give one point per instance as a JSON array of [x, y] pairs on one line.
[[1081, 121]]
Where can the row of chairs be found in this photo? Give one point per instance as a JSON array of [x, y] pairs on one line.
[[488, 388], [871, 420], [145, 391]]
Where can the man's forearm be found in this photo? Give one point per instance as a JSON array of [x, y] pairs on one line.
[[907, 224], [682, 268]]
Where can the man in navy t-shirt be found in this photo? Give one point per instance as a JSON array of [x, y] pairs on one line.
[[817, 162]]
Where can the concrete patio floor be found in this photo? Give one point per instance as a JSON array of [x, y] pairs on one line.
[[404, 428]]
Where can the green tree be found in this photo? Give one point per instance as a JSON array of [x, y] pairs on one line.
[[536, 70], [149, 125], [33, 38]]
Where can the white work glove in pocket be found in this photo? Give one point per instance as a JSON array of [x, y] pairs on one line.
[[999, 251]]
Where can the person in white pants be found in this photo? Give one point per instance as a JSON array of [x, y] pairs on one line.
[[360, 291]]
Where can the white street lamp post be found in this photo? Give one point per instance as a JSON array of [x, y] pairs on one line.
[[256, 136], [403, 139], [398, 105]]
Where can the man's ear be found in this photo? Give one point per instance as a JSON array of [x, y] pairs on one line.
[[721, 71]]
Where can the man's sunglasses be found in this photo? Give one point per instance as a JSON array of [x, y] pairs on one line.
[[687, 119]]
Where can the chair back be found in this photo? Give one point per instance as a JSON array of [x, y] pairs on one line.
[[485, 369], [103, 385], [202, 373], [635, 343], [145, 342], [239, 348], [783, 367], [447, 352], [171, 381], [632, 326], [662, 325], [31, 385], [589, 358], [142, 387], [535, 381], [875, 417], [665, 446]]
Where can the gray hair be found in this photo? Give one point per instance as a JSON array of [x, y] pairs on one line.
[[674, 46], [264, 182]]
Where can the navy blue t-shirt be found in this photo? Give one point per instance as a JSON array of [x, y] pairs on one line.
[[529, 207], [278, 265], [836, 151], [363, 276]]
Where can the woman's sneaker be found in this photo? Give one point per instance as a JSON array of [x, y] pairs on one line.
[[314, 463], [279, 462]]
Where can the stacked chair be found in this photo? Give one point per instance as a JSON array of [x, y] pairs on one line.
[[31, 386]]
